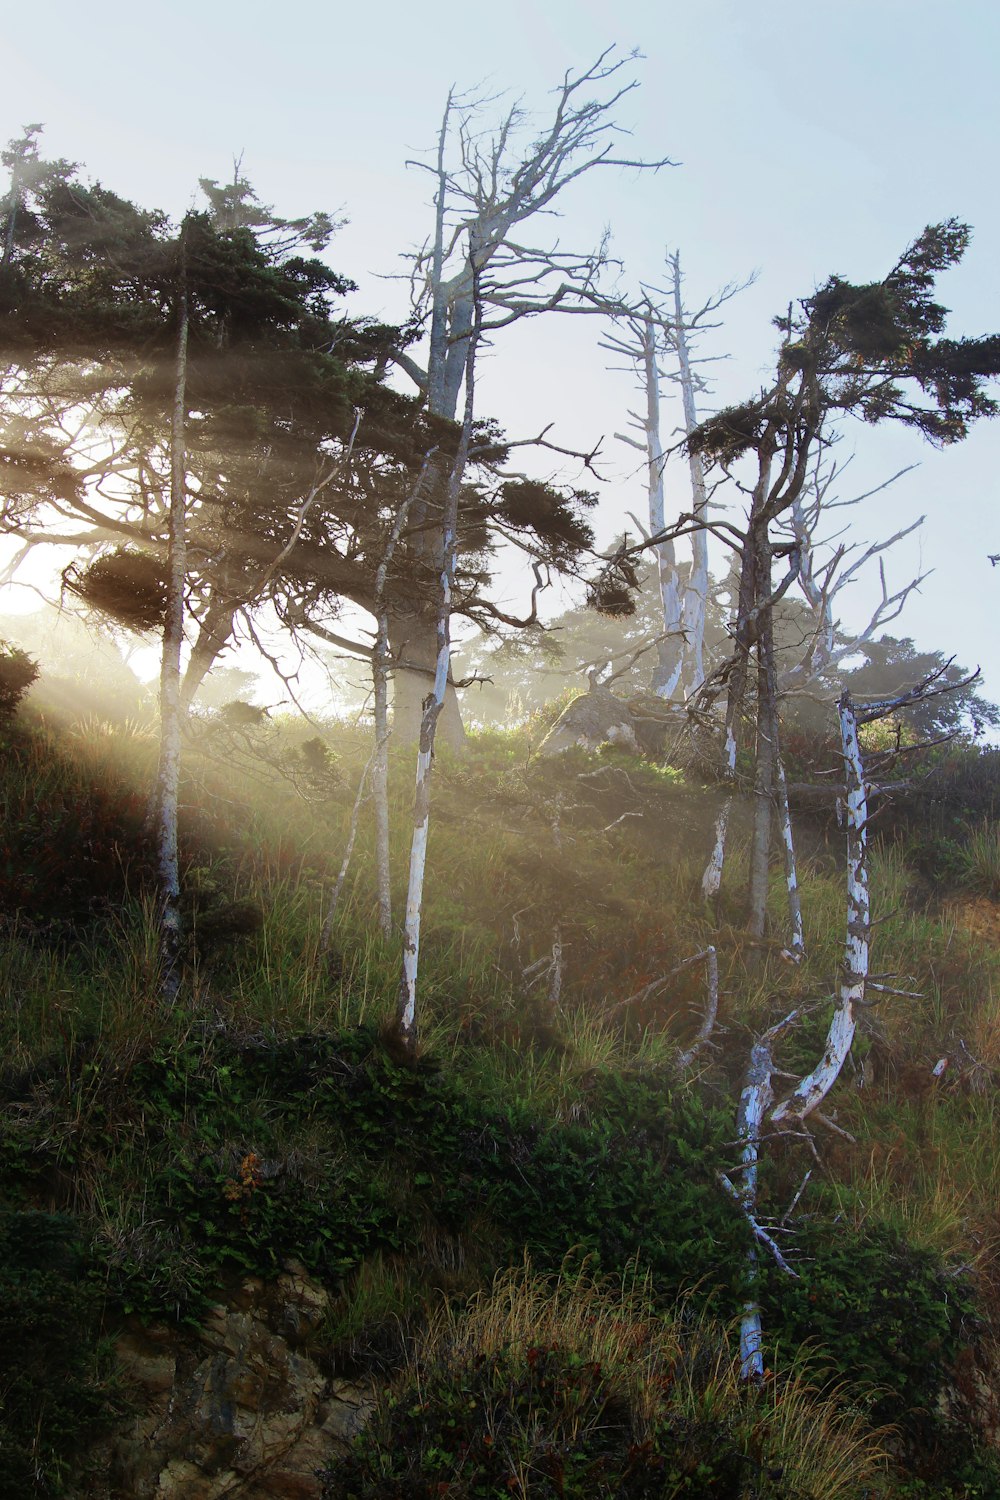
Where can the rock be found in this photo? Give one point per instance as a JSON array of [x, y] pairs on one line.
[[594, 719], [238, 1408]]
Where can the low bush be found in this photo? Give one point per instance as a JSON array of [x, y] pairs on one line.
[[55, 1396]]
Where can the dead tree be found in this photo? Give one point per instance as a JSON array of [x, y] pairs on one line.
[[756, 1105], [646, 336], [435, 700], [496, 187]]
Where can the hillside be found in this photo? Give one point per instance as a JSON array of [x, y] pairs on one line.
[[263, 1161]]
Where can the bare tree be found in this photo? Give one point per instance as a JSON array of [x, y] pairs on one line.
[[433, 705], [827, 566], [657, 330], [494, 189], [756, 1106]]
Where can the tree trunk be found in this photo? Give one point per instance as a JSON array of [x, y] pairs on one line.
[[214, 635], [380, 685], [796, 941], [380, 775], [413, 642], [696, 592], [669, 651], [814, 1088], [711, 880], [168, 780], [433, 707], [754, 1101], [763, 808]]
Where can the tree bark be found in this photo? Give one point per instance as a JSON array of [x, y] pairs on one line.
[[433, 706], [711, 880], [168, 780], [669, 651], [763, 807], [413, 646], [214, 635], [696, 592], [755, 1100], [814, 1088], [380, 775], [796, 940]]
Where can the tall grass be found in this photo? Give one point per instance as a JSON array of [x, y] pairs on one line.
[[576, 1375], [980, 860]]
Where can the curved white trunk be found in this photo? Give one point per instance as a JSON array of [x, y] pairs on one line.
[[814, 1088]]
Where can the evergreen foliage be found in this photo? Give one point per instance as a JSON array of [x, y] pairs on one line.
[[872, 350], [17, 673]]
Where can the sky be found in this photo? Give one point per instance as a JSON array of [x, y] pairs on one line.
[[808, 139]]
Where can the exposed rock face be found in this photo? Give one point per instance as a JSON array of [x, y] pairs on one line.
[[239, 1408], [595, 718]]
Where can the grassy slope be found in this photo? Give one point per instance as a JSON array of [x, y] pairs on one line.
[[266, 1117]]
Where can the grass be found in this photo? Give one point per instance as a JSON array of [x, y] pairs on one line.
[[572, 1385], [83, 1015], [980, 860]]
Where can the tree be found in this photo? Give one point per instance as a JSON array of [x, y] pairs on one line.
[[757, 1106], [644, 336], [872, 351], [476, 251], [203, 357]]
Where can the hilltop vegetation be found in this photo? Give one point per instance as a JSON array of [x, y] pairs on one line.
[[153, 1156]]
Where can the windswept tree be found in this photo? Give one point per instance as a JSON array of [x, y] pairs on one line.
[[171, 393], [875, 351]]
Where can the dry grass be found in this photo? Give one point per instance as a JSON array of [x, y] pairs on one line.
[[679, 1374]]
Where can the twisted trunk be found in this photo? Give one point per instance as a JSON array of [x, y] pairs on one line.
[[214, 635]]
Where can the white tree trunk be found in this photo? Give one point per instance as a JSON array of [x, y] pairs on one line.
[[814, 1088], [755, 1099], [380, 684], [433, 705], [407, 999], [696, 592], [797, 941], [380, 774], [711, 880], [669, 652], [168, 780], [704, 1036]]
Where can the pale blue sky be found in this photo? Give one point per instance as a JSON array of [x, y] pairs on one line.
[[812, 139]]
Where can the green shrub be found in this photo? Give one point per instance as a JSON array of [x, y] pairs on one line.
[[54, 1397], [893, 1324], [17, 673]]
